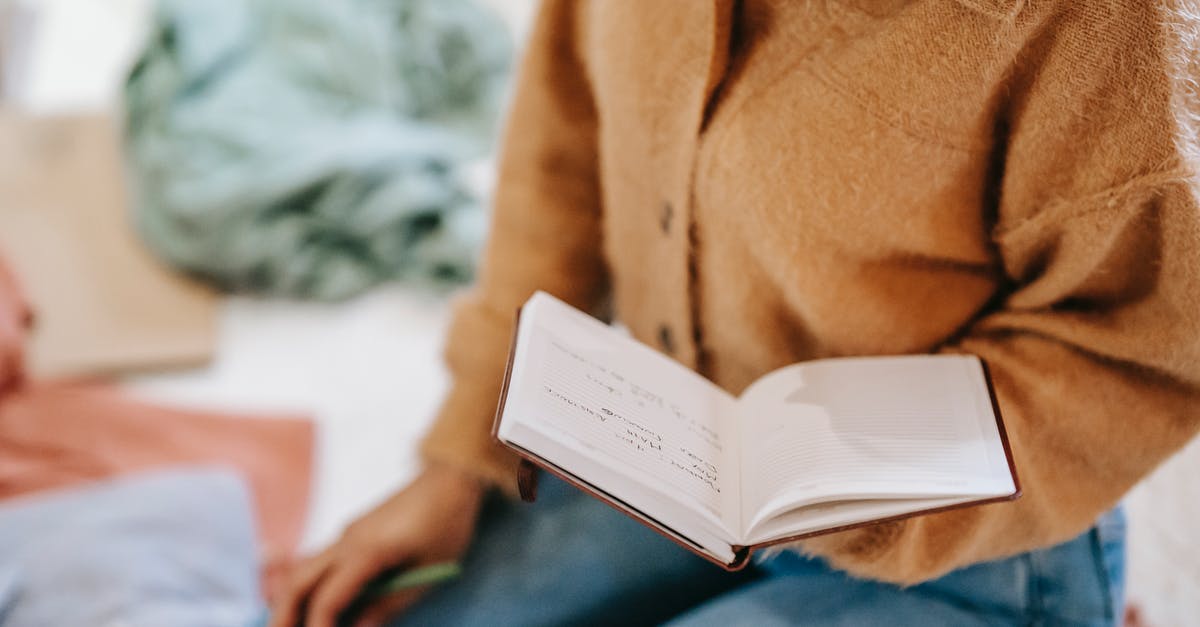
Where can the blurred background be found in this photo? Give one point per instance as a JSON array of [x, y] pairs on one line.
[[229, 232]]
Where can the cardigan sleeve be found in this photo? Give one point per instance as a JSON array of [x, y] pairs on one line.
[[545, 234], [1095, 345]]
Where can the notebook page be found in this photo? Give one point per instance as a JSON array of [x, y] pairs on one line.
[[647, 418], [831, 514], [880, 427]]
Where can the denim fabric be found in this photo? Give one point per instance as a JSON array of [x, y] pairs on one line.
[[571, 560], [1078, 582]]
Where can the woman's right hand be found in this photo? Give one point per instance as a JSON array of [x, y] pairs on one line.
[[430, 521]]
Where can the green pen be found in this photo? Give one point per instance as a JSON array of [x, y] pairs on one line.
[[389, 582], [397, 580]]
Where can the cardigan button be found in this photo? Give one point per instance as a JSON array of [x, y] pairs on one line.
[[664, 338], [664, 217]]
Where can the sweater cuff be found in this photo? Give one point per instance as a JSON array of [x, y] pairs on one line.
[[858, 551], [461, 438]]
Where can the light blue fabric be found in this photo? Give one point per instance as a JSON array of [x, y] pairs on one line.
[[174, 548], [314, 147], [570, 560]]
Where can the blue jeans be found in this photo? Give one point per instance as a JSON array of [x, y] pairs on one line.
[[571, 560]]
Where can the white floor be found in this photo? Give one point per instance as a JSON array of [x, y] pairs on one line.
[[1164, 542], [368, 371]]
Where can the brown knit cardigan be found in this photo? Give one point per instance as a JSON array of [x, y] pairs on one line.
[[747, 185]]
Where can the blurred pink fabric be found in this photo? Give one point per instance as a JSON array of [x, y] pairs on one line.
[[54, 435]]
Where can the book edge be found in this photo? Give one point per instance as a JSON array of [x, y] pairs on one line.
[[741, 554], [508, 369], [1003, 431]]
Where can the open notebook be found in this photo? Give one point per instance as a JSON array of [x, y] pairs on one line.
[[807, 449]]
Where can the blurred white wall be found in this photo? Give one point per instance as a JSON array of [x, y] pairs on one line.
[[71, 56]]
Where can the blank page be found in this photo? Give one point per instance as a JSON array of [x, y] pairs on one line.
[[869, 428]]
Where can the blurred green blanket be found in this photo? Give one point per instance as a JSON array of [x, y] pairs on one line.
[[314, 148]]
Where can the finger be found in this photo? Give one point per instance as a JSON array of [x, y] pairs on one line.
[[339, 588], [380, 612], [285, 611]]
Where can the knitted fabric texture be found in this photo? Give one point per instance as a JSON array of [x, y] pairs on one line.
[[794, 180]]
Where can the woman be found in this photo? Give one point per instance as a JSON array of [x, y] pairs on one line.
[[762, 182]]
